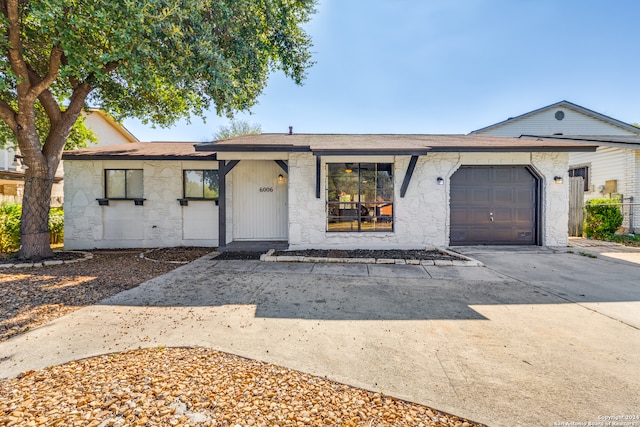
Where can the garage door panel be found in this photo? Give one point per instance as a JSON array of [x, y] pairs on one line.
[[502, 195], [503, 215], [525, 195], [502, 175], [478, 216], [524, 216], [481, 176], [478, 195], [508, 194], [459, 216]]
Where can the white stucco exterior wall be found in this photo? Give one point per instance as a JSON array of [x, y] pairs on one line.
[[160, 222], [421, 218]]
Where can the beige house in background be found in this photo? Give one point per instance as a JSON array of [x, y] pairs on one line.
[[107, 131], [613, 169]]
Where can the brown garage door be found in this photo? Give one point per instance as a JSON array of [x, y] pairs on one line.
[[493, 205]]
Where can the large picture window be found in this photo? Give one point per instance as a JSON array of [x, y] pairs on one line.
[[359, 197], [123, 183], [201, 184]]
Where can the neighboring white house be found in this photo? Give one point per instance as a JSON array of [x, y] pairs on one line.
[[320, 191], [107, 131], [614, 168]]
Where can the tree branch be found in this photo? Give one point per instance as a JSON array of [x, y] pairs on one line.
[[15, 46], [52, 74], [8, 115], [46, 98]]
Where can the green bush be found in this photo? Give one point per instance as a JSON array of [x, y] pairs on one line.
[[56, 225], [10, 226], [603, 217]]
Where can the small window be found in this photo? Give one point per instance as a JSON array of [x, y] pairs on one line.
[[123, 184], [582, 171], [201, 184]]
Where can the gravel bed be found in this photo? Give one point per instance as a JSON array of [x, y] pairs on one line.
[[31, 297], [416, 254], [189, 387]]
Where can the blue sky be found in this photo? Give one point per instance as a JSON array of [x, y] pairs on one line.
[[446, 66]]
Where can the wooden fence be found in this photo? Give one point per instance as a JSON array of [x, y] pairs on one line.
[[576, 206]]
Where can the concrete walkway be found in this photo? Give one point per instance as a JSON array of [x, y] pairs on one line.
[[538, 337]]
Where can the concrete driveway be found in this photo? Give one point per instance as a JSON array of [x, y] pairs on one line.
[[538, 337]]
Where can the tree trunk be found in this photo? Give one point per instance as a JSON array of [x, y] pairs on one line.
[[34, 228]]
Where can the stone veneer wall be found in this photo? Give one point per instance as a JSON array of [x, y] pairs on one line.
[[422, 216], [160, 222]]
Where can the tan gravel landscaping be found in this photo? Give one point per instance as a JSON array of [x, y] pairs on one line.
[[197, 387], [166, 386]]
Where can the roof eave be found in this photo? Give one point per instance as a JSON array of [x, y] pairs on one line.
[[78, 156], [371, 152], [241, 148], [525, 149]]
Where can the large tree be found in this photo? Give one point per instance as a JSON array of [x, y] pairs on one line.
[[158, 60]]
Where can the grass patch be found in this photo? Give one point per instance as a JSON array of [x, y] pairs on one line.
[[624, 239], [588, 255]]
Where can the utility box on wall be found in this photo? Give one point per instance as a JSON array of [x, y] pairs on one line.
[[611, 186]]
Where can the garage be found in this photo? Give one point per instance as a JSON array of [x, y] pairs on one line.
[[494, 205]]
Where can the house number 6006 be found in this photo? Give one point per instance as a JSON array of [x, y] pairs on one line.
[[266, 189]]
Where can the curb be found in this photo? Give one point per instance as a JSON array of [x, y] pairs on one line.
[[465, 261], [87, 256], [142, 256]]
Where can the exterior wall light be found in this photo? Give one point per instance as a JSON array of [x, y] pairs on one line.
[[18, 161], [280, 179], [440, 180], [557, 179]]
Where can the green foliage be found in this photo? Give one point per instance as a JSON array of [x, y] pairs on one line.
[[10, 226], [161, 60], [236, 128], [603, 217], [625, 239], [156, 60], [79, 137], [56, 225]]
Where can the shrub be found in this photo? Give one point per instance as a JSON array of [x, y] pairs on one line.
[[603, 217], [10, 226], [56, 225]]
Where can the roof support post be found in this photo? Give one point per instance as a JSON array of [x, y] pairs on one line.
[[283, 165], [318, 174], [223, 169], [408, 175]]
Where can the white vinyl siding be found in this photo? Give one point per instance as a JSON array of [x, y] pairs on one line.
[[607, 164], [545, 123]]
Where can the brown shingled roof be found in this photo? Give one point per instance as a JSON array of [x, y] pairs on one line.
[[328, 144], [389, 144], [140, 151]]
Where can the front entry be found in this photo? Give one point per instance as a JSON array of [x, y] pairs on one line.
[[494, 205], [259, 201]]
